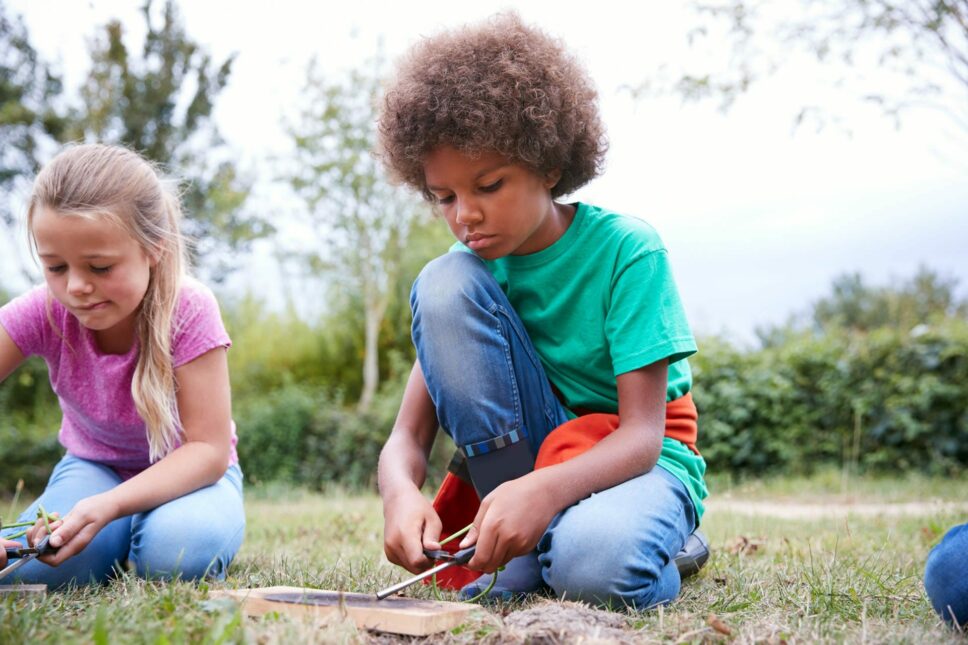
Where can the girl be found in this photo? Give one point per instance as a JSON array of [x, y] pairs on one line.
[[136, 355], [544, 312]]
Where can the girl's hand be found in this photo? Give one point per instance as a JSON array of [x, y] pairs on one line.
[[410, 525], [509, 523], [3, 554], [70, 535]]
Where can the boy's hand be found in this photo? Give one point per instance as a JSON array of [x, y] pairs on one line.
[[73, 533], [410, 525], [509, 523]]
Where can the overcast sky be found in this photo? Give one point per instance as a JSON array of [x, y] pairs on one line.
[[758, 217]]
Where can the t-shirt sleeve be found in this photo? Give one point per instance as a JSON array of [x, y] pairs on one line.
[[25, 320], [199, 327], [646, 321]]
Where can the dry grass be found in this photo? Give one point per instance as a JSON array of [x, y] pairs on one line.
[[829, 579]]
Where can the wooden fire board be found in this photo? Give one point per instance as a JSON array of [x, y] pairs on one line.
[[23, 590], [395, 615]]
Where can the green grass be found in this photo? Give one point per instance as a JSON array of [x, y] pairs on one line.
[[854, 579]]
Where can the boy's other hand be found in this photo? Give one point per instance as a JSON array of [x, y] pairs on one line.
[[509, 523], [410, 525]]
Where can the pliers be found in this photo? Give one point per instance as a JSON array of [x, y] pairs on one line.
[[447, 560], [23, 555]]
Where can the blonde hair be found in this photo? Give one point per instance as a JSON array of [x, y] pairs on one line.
[[98, 181]]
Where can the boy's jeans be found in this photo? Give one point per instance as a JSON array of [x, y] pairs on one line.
[[490, 392], [191, 537]]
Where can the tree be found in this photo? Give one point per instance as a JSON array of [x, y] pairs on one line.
[[857, 306], [361, 222], [161, 105], [854, 305], [29, 89], [920, 46]]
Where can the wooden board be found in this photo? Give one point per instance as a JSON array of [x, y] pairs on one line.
[[23, 590], [395, 615]]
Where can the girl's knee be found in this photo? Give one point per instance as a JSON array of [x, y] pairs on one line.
[[191, 537], [198, 552]]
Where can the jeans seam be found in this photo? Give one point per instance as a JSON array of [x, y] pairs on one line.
[[494, 309]]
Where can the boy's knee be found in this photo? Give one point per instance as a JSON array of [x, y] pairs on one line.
[[447, 281], [587, 561]]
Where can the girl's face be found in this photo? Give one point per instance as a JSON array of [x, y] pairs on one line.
[[95, 269], [494, 206]]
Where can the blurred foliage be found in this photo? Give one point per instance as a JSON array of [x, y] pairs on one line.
[[887, 400], [362, 223], [159, 103], [919, 49], [29, 93]]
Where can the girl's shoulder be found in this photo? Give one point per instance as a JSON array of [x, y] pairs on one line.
[[197, 325], [195, 299], [194, 294]]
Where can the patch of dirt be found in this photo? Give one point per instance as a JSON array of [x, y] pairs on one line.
[[566, 622], [801, 511]]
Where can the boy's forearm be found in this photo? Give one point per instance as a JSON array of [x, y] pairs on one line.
[[402, 467], [628, 452]]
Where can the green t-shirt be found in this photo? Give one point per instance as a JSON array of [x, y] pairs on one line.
[[600, 302]]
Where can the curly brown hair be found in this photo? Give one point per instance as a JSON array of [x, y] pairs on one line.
[[498, 86]]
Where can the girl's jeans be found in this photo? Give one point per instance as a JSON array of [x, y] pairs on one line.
[[946, 576], [490, 391], [191, 537]]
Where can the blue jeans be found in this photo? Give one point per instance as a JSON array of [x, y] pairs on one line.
[[946, 576], [491, 393], [190, 537]]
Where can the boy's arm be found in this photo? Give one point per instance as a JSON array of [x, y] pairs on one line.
[[513, 517], [410, 522], [10, 354]]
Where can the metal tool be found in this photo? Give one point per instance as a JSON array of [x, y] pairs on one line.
[[448, 560], [25, 555]]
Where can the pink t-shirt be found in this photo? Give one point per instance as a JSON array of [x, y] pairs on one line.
[[100, 421]]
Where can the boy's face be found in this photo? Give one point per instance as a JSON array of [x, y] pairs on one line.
[[492, 205]]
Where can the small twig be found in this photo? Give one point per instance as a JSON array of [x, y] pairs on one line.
[[42, 513], [457, 534]]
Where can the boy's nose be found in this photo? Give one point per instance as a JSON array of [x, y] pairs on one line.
[[468, 212]]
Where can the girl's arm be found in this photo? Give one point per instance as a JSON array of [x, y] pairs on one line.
[[204, 407], [410, 522], [10, 354], [513, 517]]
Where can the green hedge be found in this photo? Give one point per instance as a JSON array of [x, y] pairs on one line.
[[888, 400]]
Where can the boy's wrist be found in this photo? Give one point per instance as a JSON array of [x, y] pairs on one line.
[[393, 493]]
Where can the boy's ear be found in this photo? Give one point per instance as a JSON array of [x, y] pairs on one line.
[[552, 178]]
